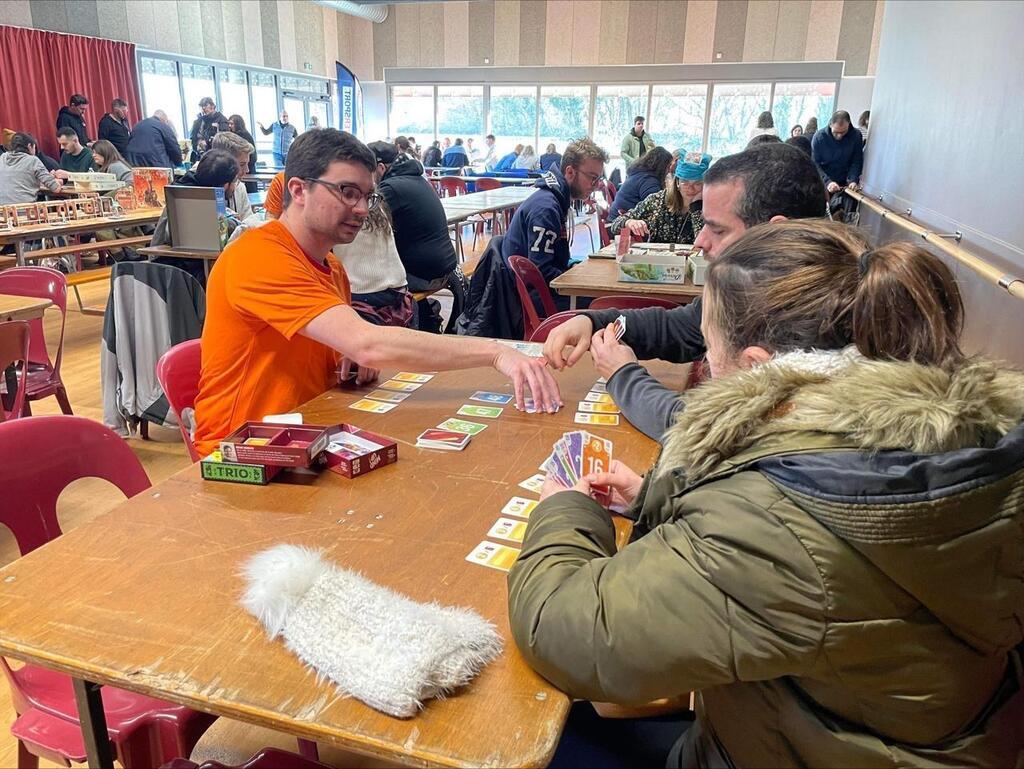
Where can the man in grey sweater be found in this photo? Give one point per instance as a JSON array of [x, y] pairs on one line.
[[768, 183], [22, 174]]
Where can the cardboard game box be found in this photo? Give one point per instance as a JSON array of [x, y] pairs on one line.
[[148, 186], [352, 451], [654, 263]]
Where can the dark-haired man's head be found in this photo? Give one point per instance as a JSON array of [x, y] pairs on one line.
[[22, 142], [763, 139], [458, 142], [119, 108], [583, 167], [217, 168], [68, 141], [489, 139], [77, 104], [207, 105], [767, 183], [839, 124], [801, 142], [328, 183], [385, 154]]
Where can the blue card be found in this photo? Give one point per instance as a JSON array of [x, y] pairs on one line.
[[485, 397]]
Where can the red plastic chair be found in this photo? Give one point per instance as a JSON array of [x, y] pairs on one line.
[[487, 183], [540, 334], [145, 732], [631, 303], [452, 186], [177, 371], [14, 347], [602, 228], [529, 277], [43, 374], [268, 758]]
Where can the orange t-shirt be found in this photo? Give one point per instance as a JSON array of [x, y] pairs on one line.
[[274, 202], [262, 291]]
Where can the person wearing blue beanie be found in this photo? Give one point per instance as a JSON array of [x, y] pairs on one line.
[[674, 214]]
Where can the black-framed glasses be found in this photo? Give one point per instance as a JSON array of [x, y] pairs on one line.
[[594, 178], [350, 194]]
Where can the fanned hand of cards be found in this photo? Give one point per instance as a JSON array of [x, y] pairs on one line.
[[576, 455], [620, 327]]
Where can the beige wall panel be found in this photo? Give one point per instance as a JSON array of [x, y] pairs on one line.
[[113, 19], [270, 31], [360, 56], [286, 34], [190, 26], [456, 34], [432, 35], [141, 26], [876, 34], [558, 37], [791, 32], [407, 34], [671, 32], [309, 37], [730, 30], [253, 31], [823, 27], [506, 33], [234, 30], [384, 42], [213, 29], [762, 24], [699, 44], [330, 35], [18, 13], [642, 23], [532, 29], [614, 31], [50, 15], [481, 33], [855, 36], [165, 23], [586, 31]]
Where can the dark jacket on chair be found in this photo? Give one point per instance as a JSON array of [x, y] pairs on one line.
[[492, 306], [421, 229]]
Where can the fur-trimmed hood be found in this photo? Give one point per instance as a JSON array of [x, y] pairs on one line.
[[868, 404]]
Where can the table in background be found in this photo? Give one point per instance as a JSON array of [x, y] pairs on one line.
[[459, 208], [14, 307], [206, 257], [600, 277], [19, 235], [154, 603]]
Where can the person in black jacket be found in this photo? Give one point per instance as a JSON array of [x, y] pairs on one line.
[[421, 229], [72, 117], [236, 124], [153, 143], [644, 178], [432, 157], [114, 126], [207, 123]]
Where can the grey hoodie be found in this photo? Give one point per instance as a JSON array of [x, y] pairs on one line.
[[21, 176]]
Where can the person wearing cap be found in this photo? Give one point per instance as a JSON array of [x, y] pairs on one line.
[[73, 117], [636, 143], [420, 226], [674, 214]]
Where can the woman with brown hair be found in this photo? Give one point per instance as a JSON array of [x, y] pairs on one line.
[[674, 214], [830, 550], [108, 160]]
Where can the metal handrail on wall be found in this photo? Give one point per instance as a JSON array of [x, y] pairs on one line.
[[1012, 284]]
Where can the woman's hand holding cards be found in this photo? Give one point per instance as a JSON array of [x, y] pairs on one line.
[[623, 484], [608, 353]]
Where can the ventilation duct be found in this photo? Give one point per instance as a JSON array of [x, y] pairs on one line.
[[375, 13]]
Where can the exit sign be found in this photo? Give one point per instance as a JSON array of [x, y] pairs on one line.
[[308, 66]]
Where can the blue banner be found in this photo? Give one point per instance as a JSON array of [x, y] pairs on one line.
[[350, 100]]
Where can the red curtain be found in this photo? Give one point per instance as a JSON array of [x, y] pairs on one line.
[[42, 69]]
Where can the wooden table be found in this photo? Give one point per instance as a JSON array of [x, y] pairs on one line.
[[19, 235], [22, 307], [600, 277], [153, 604], [207, 257]]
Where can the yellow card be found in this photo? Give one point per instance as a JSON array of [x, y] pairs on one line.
[[506, 528], [520, 506], [597, 419], [256, 441], [597, 408], [404, 387], [406, 376], [374, 407], [595, 397], [494, 556]]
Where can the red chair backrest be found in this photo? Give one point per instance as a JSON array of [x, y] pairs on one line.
[[606, 237], [177, 371], [14, 343], [73, 448], [540, 334], [453, 186], [487, 183], [39, 283], [631, 303], [529, 277]]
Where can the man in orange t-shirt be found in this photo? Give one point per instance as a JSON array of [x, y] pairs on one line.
[[273, 204], [278, 314]]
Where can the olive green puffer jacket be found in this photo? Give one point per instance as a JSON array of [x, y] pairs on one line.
[[833, 561]]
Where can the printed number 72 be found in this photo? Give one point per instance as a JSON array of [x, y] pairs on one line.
[[543, 234]]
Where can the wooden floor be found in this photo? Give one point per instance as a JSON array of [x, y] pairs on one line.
[[162, 455]]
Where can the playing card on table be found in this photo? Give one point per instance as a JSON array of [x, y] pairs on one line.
[[445, 440], [485, 397], [597, 408], [594, 397], [388, 396], [488, 412], [406, 376], [599, 387], [494, 556], [520, 506], [597, 419], [375, 407], [620, 327], [506, 528], [534, 483], [405, 387], [462, 426]]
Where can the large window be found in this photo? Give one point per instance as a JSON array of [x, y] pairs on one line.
[[513, 116], [160, 87], [196, 83], [615, 107], [564, 116], [264, 110], [234, 94], [677, 116], [796, 102], [460, 113], [734, 111], [412, 110]]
